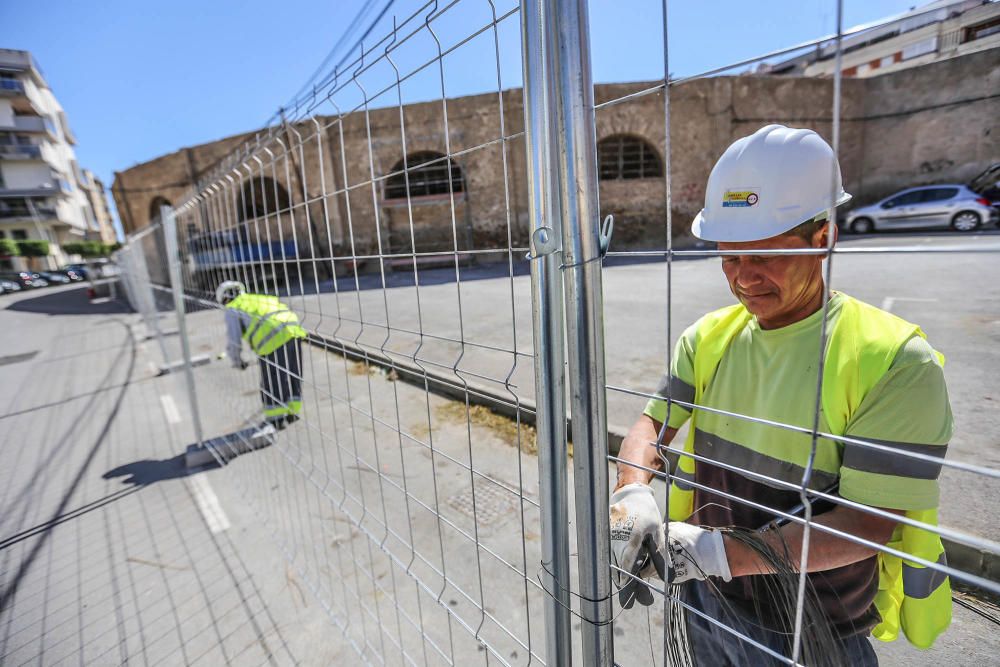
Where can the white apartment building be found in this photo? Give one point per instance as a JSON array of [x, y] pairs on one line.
[[41, 193], [101, 225], [930, 32]]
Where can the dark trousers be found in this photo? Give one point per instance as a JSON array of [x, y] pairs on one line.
[[281, 381], [712, 646]]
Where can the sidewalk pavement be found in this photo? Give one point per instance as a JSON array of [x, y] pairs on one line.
[[106, 554]]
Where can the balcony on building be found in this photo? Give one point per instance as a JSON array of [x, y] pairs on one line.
[[32, 124], [11, 87], [20, 152], [20, 209], [53, 188], [17, 60]]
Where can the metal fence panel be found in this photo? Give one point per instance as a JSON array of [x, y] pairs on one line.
[[423, 495]]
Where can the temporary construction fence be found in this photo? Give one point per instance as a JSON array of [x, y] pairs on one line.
[[425, 496]]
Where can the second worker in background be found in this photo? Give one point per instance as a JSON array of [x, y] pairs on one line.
[[272, 331]]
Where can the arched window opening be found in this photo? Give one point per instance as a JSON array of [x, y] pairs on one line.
[[428, 173], [260, 197], [623, 157], [155, 205]]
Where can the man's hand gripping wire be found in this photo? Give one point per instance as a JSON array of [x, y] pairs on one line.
[[637, 546], [637, 542], [696, 553]]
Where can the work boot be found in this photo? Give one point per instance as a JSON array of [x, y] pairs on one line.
[[266, 430], [291, 419]]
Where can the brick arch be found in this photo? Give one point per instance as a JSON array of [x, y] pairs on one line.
[[154, 206], [262, 196], [627, 156]]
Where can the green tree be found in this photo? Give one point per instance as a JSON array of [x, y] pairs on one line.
[[8, 248], [89, 248], [32, 248]]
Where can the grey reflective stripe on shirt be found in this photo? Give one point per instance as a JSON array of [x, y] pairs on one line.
[[679, 389], [274, 332], [682, 479], [870, 459], [260, 322], [735, 454], [920, 582]]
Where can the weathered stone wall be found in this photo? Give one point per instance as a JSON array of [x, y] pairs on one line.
[[935, 123], [939, 123]]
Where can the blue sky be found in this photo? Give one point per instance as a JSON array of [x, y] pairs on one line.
[[140, 79]]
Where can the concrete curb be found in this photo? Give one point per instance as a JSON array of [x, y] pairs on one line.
[[974, 561], [519, 410]]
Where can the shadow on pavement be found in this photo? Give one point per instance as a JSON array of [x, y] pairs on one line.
[[148, 471], [195, 459], [67, 302]]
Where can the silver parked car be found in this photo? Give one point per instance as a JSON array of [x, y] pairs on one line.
[[948, 205]]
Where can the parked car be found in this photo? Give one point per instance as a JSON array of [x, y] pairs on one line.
[[947, 205], [37, 280], [7, 286], [78, 269], [53, 277], [73, 274], [25, 279]]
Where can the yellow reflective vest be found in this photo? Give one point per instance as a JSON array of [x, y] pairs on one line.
[[272, 323], [860, 349]]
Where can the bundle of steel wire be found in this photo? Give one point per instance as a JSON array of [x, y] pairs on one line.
[[774, 608]]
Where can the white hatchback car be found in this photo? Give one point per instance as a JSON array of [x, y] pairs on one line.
[[949, 205]]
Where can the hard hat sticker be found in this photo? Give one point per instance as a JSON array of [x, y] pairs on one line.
[[743, 197]]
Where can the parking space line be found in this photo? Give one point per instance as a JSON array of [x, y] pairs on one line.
[[208, 503], [170, 409]]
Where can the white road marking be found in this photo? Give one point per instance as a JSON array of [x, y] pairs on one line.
[[889, 301], [208, 503], [170, 409]]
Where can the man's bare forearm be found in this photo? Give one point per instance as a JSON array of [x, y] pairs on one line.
[[826, 551], [636, 449]]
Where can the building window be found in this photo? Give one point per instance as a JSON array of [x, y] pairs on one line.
[[981, 30], [18, 234], [427, 173], [920, 48], [624, 157]]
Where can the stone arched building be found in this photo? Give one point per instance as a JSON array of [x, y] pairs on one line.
[[356, 185]]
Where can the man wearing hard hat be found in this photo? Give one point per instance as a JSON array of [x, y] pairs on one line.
[[273, 333], [883, 383]]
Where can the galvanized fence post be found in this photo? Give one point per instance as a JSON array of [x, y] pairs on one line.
[[548, 334], [169, 222], [567, 33]]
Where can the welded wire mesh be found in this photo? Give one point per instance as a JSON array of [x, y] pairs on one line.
[[907, 275], [405, 496], [395, 225]]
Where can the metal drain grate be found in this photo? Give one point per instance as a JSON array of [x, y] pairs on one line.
[[492, 502]]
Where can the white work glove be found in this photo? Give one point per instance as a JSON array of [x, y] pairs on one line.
[[696, 553], [636, 541]]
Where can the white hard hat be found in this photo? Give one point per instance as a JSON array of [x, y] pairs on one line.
[[768, 183], [229, 290]]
